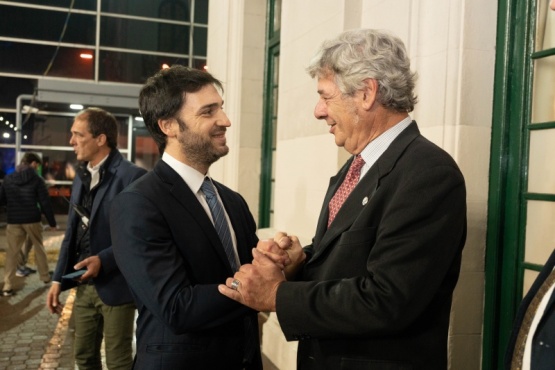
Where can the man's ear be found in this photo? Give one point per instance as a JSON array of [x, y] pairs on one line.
[[167, 126], [369, 93], [101, 140]]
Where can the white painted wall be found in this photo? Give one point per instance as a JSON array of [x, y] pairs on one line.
[[236, 35], [452, 47]]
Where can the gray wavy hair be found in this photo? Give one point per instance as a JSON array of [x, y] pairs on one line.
[[356, 55]]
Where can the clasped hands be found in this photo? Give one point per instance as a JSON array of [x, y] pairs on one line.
[[275, 260]]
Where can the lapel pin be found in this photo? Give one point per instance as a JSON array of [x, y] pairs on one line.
[[364, 201]]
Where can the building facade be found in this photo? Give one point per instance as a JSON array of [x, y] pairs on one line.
[[484, 70], [486, 95]]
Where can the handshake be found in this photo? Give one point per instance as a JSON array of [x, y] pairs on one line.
[[274, 261], [284, 250]]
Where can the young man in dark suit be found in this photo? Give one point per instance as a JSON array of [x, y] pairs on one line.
[[103, 306], [374, 289], [178, 234]]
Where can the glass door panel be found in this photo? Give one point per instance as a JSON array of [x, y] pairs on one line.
[[545, 27], [543, 95], [529, 277], [541, 174], [540, 231]]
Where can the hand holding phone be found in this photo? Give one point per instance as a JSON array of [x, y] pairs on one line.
[[74, 275]]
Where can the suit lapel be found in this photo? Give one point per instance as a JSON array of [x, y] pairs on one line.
[[76, 193], [109, 176], [334, 184], [362, 194], [190, 204], [547, 269], [354, 204]]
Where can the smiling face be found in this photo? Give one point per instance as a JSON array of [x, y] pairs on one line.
[[340, 113], [202, 125], [87, 148]]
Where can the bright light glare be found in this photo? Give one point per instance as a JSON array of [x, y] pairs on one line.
[[165, 66], [1, 118], [86, 56], [76, 106], [25, 137], [11, 126], [138, 118], [6, 135], [205, 68]]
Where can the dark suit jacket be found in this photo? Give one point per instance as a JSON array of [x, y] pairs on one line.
[[110, 284], [21, 191], [376, 291], [173, 260], [543, 355]]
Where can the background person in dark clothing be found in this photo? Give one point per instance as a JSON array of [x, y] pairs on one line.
[[103, 305], [531, 345], [22, 191]]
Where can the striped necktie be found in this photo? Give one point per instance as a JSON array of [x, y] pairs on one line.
[[220, 221], [222, 228]]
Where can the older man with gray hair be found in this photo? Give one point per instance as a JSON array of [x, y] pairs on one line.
[[374, 288]]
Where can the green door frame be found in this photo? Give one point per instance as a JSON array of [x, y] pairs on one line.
[[265, 207], [508, 166]]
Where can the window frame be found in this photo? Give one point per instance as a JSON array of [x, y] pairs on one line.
[[508, 196], [265, 209]]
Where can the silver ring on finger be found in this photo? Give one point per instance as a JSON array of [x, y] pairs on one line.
[[235, 284]]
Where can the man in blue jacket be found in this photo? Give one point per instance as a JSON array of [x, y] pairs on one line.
[[103, 304], [22, 191]]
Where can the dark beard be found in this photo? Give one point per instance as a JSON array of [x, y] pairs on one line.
[[196, 148]]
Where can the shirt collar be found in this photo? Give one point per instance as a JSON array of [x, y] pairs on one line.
[[191, 176], [96, 168], [379, 145]]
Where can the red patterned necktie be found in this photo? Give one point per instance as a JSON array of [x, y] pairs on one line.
[[346, 187]]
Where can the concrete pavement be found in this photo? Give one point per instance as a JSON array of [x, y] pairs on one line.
[[31, 337]]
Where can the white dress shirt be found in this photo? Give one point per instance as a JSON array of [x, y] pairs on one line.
[[379, 145], [95, 172], [194, 180]]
